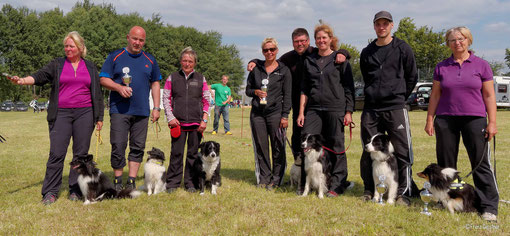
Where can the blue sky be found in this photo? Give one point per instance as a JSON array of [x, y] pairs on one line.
[[246, 23]]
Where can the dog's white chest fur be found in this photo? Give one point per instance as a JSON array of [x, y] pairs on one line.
[[209, 165], [153, 177], [315, 177]]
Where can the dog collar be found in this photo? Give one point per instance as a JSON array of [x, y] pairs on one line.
[[457, 184]]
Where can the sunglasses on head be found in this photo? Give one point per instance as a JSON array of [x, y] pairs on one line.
[[264, 50]]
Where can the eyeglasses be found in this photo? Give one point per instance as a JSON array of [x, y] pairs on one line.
[[264, 50], [460, 40], [300, 41]]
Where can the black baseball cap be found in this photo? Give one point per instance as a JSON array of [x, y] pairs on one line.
[[383, 15]]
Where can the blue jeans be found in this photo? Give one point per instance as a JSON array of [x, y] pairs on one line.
[[223, 110]]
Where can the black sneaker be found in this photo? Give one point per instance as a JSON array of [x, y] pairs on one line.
[[130, 184], [403, 201], [171, 190], [49, 198], [367, 196], [117, 185]]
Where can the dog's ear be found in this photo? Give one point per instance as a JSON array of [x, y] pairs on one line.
[[217, 146], [89, 157], [201, 146]]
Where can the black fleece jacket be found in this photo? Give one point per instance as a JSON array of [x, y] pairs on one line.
[[279, 89], [330, 88], [51, 74], [388, 83]]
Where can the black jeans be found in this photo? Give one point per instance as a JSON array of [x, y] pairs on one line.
[[175, 168], [77, 123]]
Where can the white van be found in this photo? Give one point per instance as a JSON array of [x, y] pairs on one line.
[[502, 88]]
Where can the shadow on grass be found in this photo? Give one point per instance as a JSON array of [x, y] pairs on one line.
[[239, 175], [25, 187]]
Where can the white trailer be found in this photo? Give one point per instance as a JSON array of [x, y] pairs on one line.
[[502, 88]]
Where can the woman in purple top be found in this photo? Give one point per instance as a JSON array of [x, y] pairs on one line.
[[76, 106], [462, 99]]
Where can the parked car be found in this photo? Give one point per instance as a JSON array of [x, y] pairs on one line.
[[359, 94], [7, 106], [419, 98], [42, 105], [20, 106]]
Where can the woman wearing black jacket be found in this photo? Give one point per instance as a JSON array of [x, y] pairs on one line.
[[76, 105], [269, 114], [327, 99]]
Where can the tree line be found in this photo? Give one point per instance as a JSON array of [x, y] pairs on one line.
[[29, 40]]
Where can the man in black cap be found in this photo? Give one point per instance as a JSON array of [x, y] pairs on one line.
[[389, 72]]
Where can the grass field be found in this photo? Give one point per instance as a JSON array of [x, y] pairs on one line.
[[239, 207]]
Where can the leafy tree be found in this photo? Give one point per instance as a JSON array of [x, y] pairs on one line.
[[428, 46], [355, 55], [507, 58], [497, 67]]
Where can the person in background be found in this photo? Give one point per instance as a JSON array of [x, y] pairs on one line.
[[466, 76], [129, 103], [269, 114], [222, 97], [76, 107], [327, 103], [186, 99]]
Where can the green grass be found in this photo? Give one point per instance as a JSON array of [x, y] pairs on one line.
[[239, 207]]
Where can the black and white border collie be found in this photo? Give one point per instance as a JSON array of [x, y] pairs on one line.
[[154, 172], [315, 164], [94, 184], [208, 167], [446, 189], [383, 163]]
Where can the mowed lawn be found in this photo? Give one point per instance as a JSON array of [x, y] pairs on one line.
[[239, 207]]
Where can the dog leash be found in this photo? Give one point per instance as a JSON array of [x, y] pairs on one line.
[[352, 125], [156, 128], [484, 155], [99, 141]]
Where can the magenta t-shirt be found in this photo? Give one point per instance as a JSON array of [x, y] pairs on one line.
[[461, 86], [74, 90]]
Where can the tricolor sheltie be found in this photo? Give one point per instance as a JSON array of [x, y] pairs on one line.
[[94, 184], [446, 189], [383, 163], [315, 164], [208, 166], [154, 172]]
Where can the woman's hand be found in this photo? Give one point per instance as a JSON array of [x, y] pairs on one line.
[[347, 118], [99, 125], [429, 128], [202, 127], [491, 131], [173, 123], [261, 94], [300, 120], [284, 122]]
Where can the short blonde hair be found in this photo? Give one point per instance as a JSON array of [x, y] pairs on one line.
[[78, 40], [190, 52], [462, 30], [269, 40]]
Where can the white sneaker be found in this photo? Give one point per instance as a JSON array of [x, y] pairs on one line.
[[487, 216]]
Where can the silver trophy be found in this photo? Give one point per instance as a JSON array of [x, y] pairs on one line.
[[265, 82], [126, 79], [381, 188], [426, 197]]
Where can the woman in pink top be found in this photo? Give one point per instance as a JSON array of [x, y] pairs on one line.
[[462, 99], [76, 106]]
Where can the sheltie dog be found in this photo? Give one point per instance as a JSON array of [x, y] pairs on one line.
[[208, 166], [94, 184], [384, 164], [154, 172], [315, 164], [446, 188]]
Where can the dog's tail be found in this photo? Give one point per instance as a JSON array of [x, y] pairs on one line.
[[128, 193]]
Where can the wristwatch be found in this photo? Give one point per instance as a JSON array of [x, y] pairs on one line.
[[156, 108], [204, 120]]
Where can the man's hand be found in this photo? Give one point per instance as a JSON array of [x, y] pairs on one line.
[[340, 58], [155, 115], [251, 65], [125, 91]]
